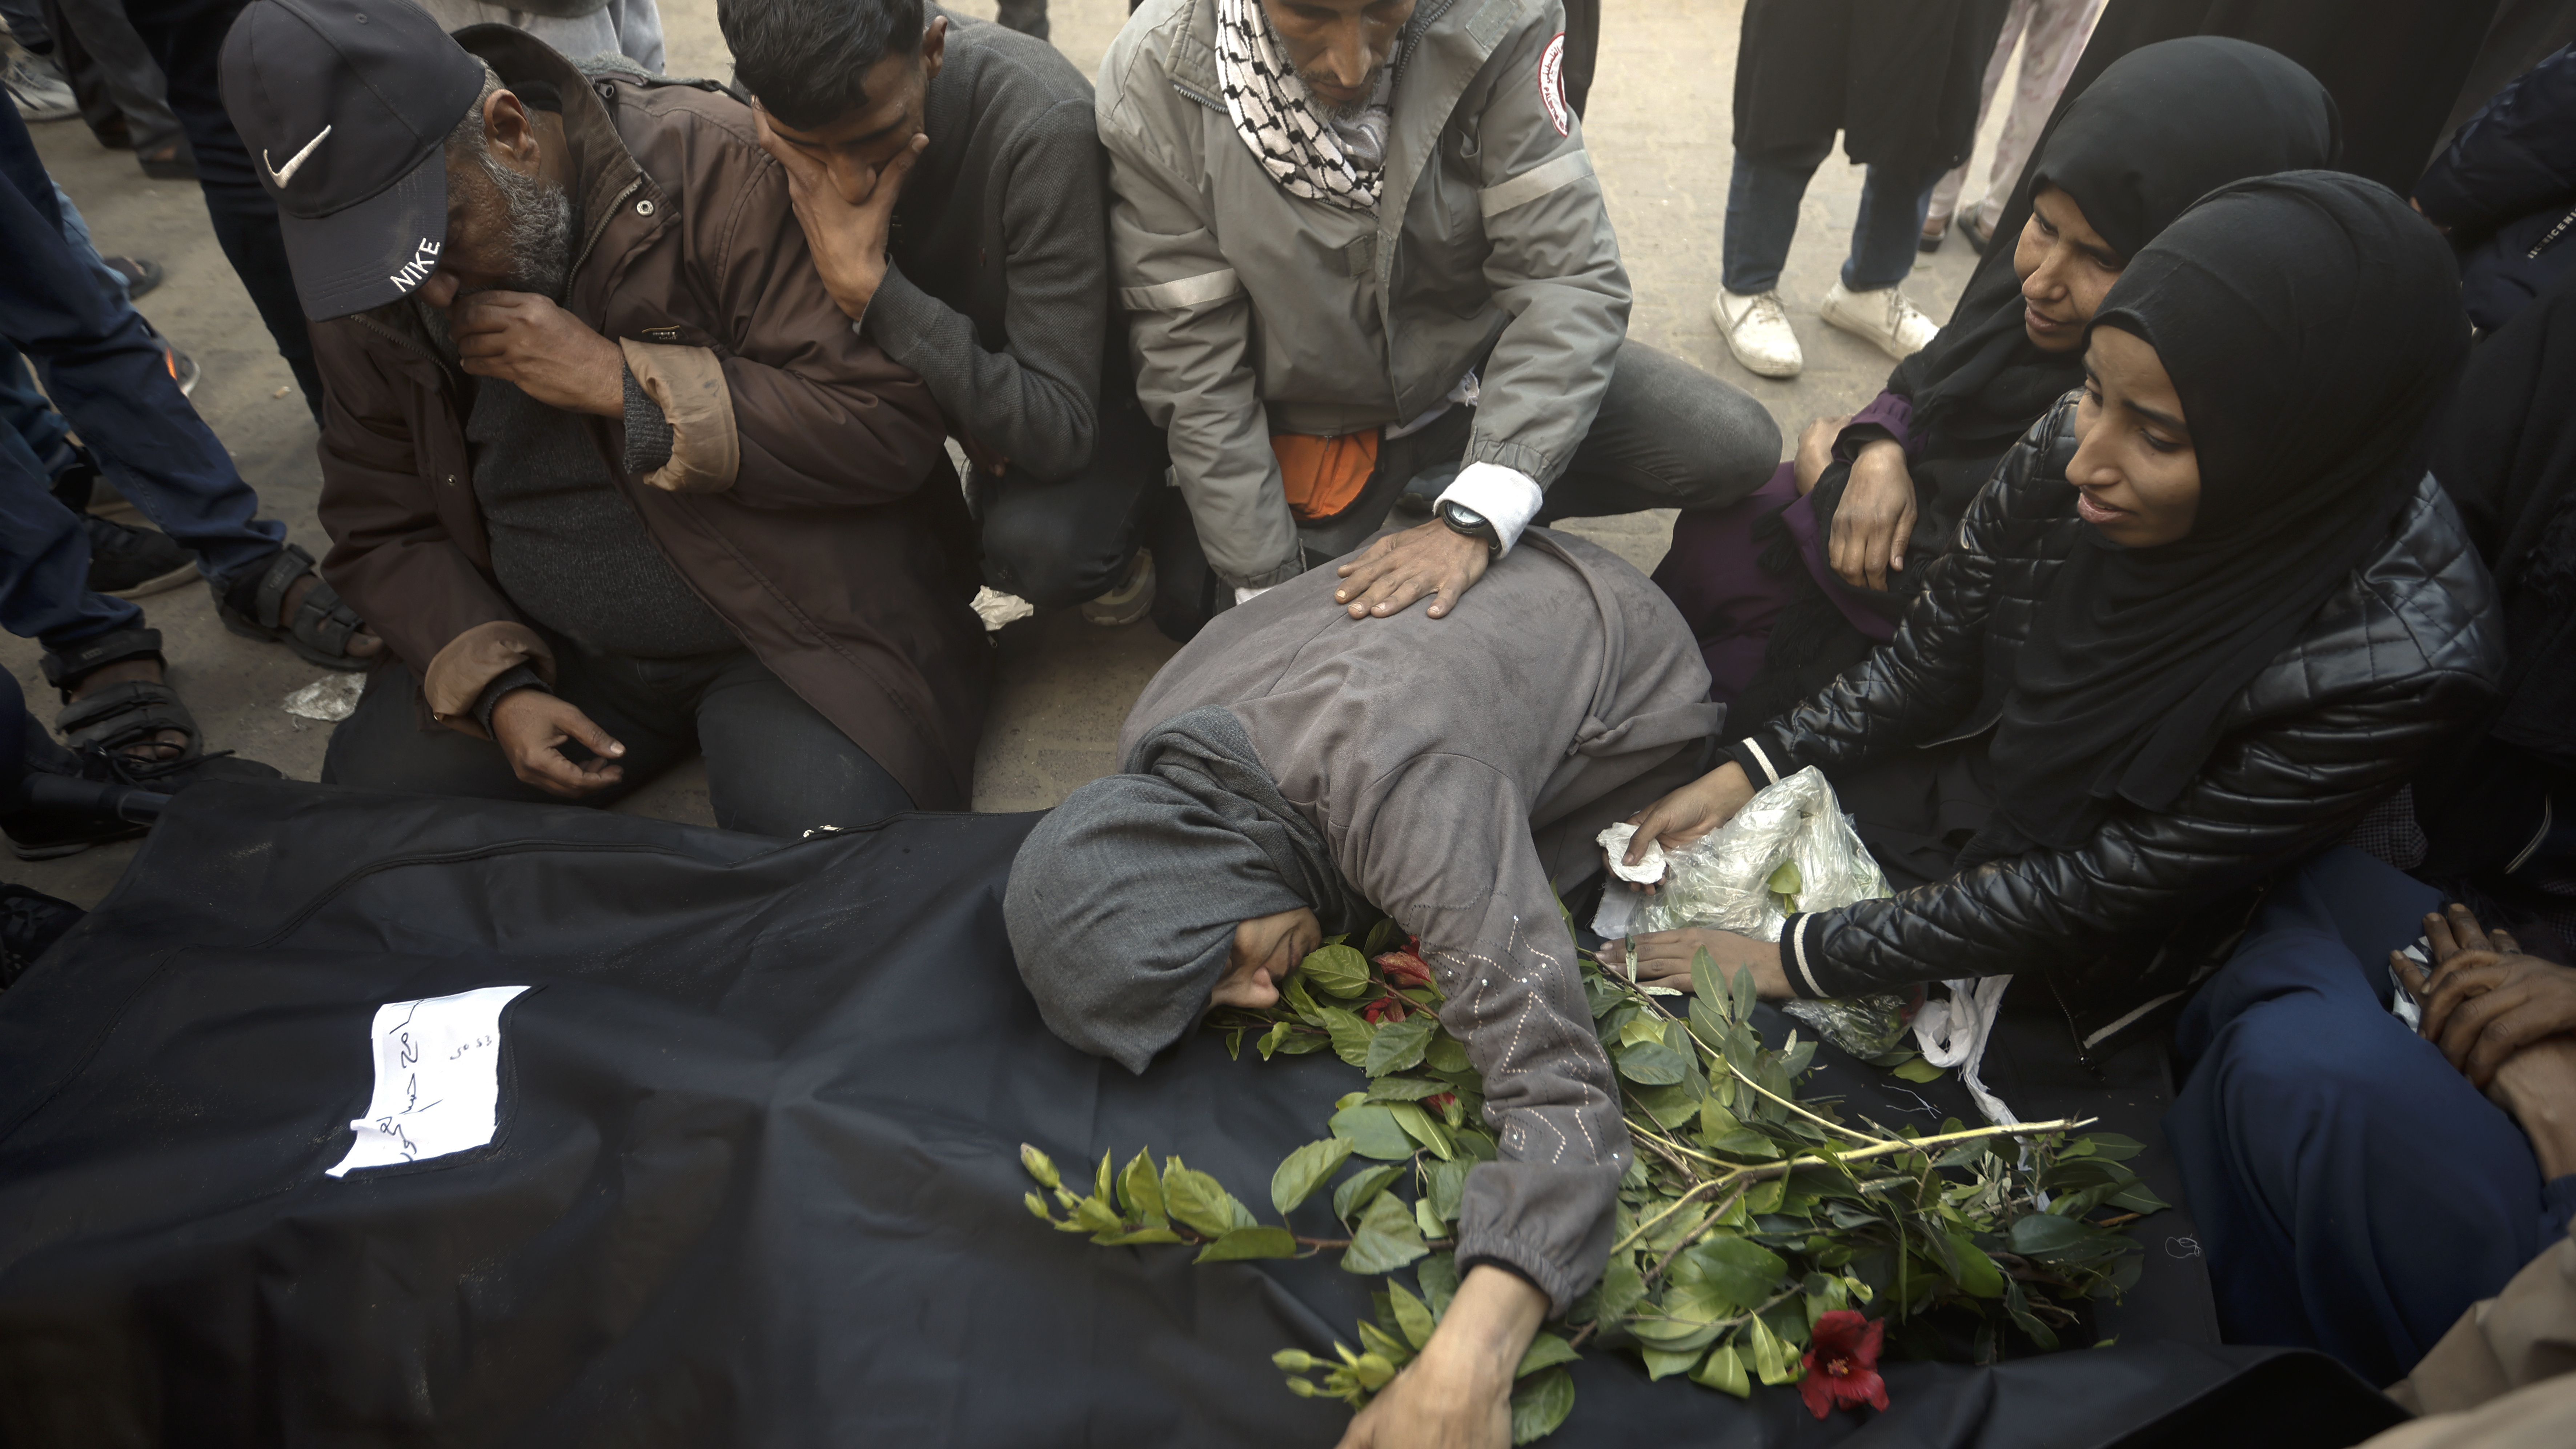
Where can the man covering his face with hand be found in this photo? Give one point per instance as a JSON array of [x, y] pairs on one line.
[[601, 461]]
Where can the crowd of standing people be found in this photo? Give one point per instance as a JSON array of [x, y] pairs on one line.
[[2186, 626]]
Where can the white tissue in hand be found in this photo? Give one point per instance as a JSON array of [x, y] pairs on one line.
[[1648, 869]]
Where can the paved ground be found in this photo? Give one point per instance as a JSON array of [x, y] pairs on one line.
[[1659, 135]]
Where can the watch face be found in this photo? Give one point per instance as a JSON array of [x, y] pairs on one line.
[[1463, 516]]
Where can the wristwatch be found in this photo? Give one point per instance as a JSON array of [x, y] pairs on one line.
[[1463, 519]]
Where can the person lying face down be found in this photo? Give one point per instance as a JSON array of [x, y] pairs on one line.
[[1293, 767], [2197, 626]]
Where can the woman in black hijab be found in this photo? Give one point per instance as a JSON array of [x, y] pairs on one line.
[[1836, 528], [2205, 616]]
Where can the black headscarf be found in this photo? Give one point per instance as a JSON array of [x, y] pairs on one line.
[[1123, 901], [2163, 126], [2311, 325]]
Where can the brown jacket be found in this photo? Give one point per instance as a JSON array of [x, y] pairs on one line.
[[808, 498], [2504, 1377]]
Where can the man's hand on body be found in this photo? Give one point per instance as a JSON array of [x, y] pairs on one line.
[[548, 353], [532, 726], [1401, 567]]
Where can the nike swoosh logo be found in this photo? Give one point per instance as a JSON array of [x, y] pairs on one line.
[[293, 163]]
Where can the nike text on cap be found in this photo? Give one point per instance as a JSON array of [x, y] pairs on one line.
[[344, 106]]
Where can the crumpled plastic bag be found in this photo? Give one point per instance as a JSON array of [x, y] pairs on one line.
[[1790, 849]]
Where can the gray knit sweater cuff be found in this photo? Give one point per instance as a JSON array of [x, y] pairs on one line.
[[520, 677], [648, 433]]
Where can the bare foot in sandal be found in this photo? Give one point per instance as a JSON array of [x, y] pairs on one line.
[[162, 744]]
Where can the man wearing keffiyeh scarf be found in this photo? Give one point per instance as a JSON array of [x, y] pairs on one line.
[[1362, 255]]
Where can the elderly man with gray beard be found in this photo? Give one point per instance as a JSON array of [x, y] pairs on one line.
[[601, 461]]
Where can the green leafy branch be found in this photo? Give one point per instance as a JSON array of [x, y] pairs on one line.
[[1746, 1214]]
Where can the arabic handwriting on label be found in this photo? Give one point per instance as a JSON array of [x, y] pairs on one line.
[[437, 1079]]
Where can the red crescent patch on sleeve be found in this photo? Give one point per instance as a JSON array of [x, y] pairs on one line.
[[1551, 83]]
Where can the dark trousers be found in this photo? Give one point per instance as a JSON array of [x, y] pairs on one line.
[[775, 765], [186, 38], [107, 376], [1060, 542], [2354, 1192], [1762, 219], [1668, 435]]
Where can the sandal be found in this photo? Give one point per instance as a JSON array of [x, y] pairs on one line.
[[115, 718], [1978, 237], [321, 627]]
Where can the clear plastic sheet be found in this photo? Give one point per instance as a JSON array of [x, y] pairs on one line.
[[1790, 849]]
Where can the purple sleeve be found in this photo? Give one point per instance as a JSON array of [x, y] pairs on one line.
[[1888, 416]]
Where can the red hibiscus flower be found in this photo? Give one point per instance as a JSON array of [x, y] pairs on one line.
[[1404, 968], [1382, 1011], [1842, 1363]]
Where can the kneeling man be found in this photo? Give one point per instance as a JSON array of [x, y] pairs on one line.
[[602, 462], [1363, 253], [1293, 766]]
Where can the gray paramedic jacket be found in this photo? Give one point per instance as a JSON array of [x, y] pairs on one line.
[[1253, 312], [1458, 768]]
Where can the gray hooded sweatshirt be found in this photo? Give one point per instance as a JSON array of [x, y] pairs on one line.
[[1456, 768]]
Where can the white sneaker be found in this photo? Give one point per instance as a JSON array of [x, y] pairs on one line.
[[37, 88], [1130, 601], [1757, 332], [1886, 317]]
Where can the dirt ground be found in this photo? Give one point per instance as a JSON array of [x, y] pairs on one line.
[[1658, 129]]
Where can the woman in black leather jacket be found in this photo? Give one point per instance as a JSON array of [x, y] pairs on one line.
[[2206, 615]]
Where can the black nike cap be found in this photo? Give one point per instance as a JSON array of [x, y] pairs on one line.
[[344, 106]]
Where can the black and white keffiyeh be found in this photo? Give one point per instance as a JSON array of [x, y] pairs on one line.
[[1277, 118]]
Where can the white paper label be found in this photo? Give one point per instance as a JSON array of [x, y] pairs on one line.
[[438, 1079]]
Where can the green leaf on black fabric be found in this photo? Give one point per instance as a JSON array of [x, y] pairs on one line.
[[1383, 937], [1405, 1089], [1140, 1192], [1412, 1315], [1141, 1235], [1427, 1220], [1438, 1275], [1336, 970], [1271, 1039], [1977, 1274], [1399, 1045], [1307, 1169], [1540, 1403], [1387, 1238], [1445, 1185], [1301, 1001], [1360, 1189], [1445, 1054], [1664, 1363], [1919, 1070], [1418, 1125], [2045, 1234], [1351, 1035], [1241, 1243], [1199, 1201], [1372, 1131], [1545, 1351], [1652, 1064], [1724, 1372]]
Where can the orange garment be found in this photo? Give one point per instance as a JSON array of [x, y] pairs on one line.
[[1324, 475]]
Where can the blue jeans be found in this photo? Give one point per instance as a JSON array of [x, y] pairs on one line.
[[2354, 1192], [24, 409], [108, 376], [1762, 219]]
